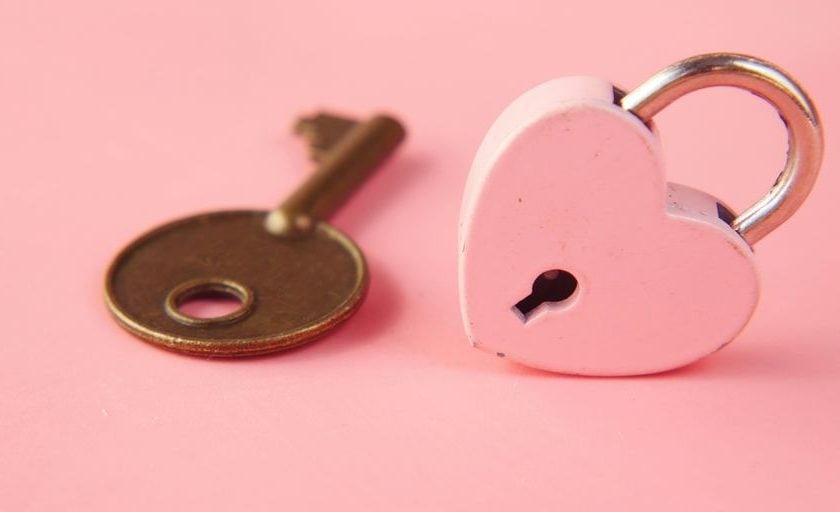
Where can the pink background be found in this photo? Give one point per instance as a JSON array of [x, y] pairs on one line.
[[116, 116]]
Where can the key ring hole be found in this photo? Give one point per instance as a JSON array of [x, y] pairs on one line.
[[209, 301]]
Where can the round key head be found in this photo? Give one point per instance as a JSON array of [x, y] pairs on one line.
[[289, 289]]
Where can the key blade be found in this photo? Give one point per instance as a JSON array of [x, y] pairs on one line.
[[322, 132], [341, 170]]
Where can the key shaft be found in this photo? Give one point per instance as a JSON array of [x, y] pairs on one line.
[[341, 170]]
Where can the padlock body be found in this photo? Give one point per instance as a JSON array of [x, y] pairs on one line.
[[568, 181]]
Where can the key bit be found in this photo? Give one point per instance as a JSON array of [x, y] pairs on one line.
[[322, 132]]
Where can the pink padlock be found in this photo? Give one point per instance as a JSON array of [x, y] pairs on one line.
[[577, 256]]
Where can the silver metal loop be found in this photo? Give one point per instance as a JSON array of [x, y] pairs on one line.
[[805, 138]]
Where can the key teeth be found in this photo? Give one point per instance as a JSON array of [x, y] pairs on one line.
[[322, 132]]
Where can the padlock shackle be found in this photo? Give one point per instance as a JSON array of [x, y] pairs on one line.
[[805, 137]]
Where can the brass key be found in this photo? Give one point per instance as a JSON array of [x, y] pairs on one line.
[[294, 276]]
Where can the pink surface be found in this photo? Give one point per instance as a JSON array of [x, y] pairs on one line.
[[117, 116], [567, 180]]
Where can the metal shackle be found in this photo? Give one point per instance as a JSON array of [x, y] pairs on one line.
[[805, 137]]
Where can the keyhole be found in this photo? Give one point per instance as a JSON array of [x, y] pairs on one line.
[[551, 286]]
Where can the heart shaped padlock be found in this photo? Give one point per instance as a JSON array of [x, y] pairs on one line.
[[577, 256]]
